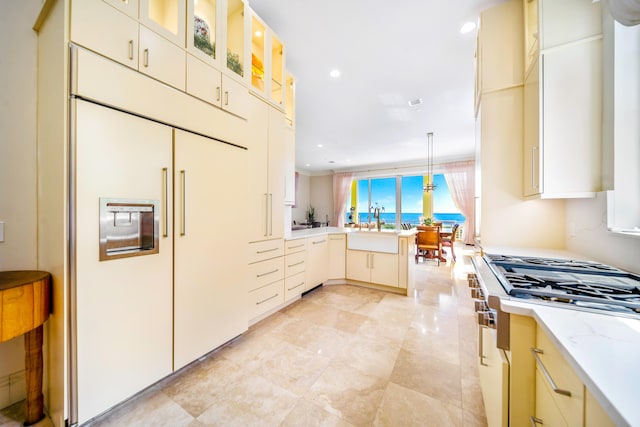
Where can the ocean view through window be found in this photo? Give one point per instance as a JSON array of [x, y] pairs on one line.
[[401, 200]]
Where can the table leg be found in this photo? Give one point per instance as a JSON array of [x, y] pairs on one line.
[[33, 363]]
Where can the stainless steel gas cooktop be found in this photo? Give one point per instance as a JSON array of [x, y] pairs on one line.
[[572, 283]]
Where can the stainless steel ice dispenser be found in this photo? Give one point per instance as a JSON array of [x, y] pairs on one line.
[[128, 227]]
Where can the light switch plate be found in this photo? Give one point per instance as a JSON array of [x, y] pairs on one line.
[[1, 231]]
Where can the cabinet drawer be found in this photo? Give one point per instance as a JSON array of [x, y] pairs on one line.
[[294, 286], [161, 59], [564, 378], [259, 251], [293, 246], [203, 81], [265, 298], [265, 272], [294, 263]]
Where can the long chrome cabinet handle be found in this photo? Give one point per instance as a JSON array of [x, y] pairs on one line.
[[265, 300], [297, 263], [266, 250], [295, 247], [317, 242], [267, 273], [296, 286], [372, 258], [270, 214], [266, 214], [535, 421], [165, 204], [481, 344], [554, 387], [183, 200]]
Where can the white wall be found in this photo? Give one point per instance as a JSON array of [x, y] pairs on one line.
[[18, 196], [322, 196], [299, 212]]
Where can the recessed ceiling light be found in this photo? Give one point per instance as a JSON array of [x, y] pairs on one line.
[[468, 27], [307, 165], [334, 73], [320, 145]]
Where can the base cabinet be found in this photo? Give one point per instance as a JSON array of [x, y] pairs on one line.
[[295, 264], [337, 256], [317, 261], [373, 267], [493, 369]]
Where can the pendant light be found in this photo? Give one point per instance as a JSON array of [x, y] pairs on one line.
[[430, 186]]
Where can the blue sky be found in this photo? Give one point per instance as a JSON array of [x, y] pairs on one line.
[[383, 191]]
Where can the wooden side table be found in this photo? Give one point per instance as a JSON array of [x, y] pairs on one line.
[[24, 307]]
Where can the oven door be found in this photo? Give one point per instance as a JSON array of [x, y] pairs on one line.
[[493, 367]]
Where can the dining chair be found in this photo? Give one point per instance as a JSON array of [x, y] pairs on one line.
[[428, 244], [449, 241]]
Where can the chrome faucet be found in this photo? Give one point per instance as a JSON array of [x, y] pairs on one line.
[[376, 215]]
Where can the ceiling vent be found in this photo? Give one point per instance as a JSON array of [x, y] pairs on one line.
[[414, 102]]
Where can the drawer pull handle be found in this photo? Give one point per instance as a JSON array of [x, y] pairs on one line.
[[266, 250], [535, 352], [267, 273], [336, 238], [218, 93], [294, 247], [145, 56], [535, 421], [296, 286], [319, 241], [297, 263], [131, 49], [265, 300]]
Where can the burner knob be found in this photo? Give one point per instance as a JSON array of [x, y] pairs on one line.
[[480, 305], [477, 293], [487, 319], [472, 280]]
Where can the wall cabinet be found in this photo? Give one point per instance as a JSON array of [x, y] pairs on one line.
[[373, 267], [127, 42], [267, 63], [337, 256], [317, 261], [216, 88], [290, 99], [563, 123], [165, 17], [266, 168]]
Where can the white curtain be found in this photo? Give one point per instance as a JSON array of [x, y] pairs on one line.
[[341, 187], [626, 12], [460, 177]]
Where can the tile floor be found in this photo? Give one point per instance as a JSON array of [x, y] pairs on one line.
[[341, 356]]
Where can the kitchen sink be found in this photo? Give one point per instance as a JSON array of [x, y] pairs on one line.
[[376, 241]]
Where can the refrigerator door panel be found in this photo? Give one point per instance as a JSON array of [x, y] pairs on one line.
[[123, 306], [210, 245]]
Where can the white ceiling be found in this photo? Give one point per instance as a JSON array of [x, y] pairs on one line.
[[388, 53]]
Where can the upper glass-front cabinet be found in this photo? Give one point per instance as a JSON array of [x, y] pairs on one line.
[[290, 98], [235, 36], [201, 31], [277, 71], [166, 17], [258, 54]]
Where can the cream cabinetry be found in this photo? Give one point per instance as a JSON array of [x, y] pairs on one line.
[[543, 387], [317, 261], [266, 273], [295, 262], [337, 256], [266, 166], [290, 99], [289, 166], [406, 256], [493, 369], [267, 63], [210, 280], [373, 267], [216, 88], [562, 105], [112, 32]]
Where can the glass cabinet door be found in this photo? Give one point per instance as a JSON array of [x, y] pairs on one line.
[[235, 36], [201, 33], [277, 71], [290, 99], [258, 55], [531, 44], [166, 17]]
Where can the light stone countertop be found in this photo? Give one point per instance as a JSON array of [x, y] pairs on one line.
[[604, 351], [319, 231]]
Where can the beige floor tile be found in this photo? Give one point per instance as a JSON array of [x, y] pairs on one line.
[[371, 356], [404, 407], [431, 376], [321, 340], [348, 393], [307, 414]]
